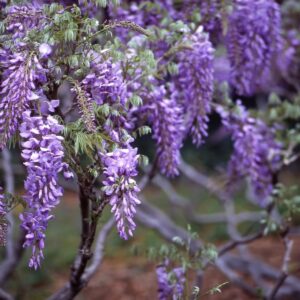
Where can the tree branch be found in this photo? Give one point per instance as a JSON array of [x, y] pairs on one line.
[[99, 250], [188, 209], [14, 250], [66, 291], [284, 269], [5, 296], [91, 210]]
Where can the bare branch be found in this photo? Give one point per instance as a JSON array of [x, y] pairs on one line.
[[13, 251], [233, 244], [234, 277], [99, 249], [203, 181], [154, 218], [244, 264], [5, 296], [66, 291], [284, 269], [187, 208]]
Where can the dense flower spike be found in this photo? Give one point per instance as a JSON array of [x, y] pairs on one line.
[[252, 41], [170, 284], [43, 155], [3, 224], [210, 13], [167, 125], [256, 153], [22, 19], [105, 85], [120, 166], [196, 83], [22, 70]]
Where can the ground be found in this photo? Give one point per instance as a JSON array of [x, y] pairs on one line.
[[134, 278]]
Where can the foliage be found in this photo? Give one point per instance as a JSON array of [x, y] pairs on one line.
[[135, 68]]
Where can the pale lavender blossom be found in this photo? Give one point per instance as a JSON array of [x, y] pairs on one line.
[[120, 166], [253, 40], [195, 81], [256, 154], [170, 283], [21, 72], [45, 50], [105, 85], [166, 118], [21, 19], [43, 155]]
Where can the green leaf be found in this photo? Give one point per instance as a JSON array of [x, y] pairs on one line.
[[136, 100], [143, 160], [144, 130]]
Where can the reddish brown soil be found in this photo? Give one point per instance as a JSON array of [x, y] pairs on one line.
[[135, 278]]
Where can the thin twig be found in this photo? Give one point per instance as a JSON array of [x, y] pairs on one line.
[[233, 244]]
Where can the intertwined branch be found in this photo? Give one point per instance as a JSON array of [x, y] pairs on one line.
[[233, 266]]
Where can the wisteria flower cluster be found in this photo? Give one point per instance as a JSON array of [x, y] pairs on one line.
[[196, 83], [43, 154], [77, 92], [23, 18], [22, 71], [120, 166], [256, 154], [253, 40], [166, 118], [170, 283]]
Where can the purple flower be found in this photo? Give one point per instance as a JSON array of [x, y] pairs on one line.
[[195, 81], [2, 205], [21, 19], [3, 3], [164, 286], [211, 17], [3, 223], [256, 153], [105, 85], [89, 8], [167, 124], [45, 50], [252, 41], [22, 71], [170, 283], [120, 166], [141, 13], [105, 82], [43, 154]]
